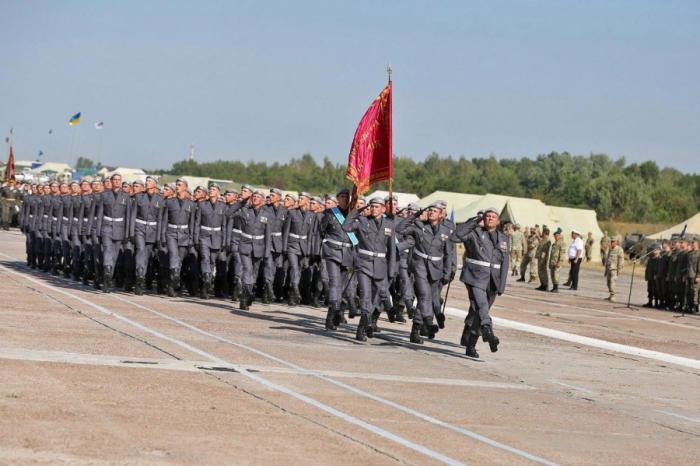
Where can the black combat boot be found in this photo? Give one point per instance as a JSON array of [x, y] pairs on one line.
[[338, 317], [390, 311], [375, 319], [138, 287], [315, 298], [415, 334], [173, 282], [440, 317], [236, 291], [107, 284], [488, 335], [471, 346], [352, 309], [431, 328], [465, 336], [648, 304], [399, 313], [268, 295], [330, 317], [410, 310], [521, 279], [555, 289], [340, 313], [246, 298], [362, 328], [206, 285]]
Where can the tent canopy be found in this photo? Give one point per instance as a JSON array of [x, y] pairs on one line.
[[526, 212], [483, 202], [404, 198], [692, 229], [454, 200]]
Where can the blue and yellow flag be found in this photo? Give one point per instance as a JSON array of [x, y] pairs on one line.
[[74, 120]]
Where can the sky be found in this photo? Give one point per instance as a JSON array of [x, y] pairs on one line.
[[269, 80]]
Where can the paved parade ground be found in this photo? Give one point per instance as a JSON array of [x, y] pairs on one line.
[[94, 378]]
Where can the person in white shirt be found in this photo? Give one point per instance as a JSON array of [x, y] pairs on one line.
[[576, 254]]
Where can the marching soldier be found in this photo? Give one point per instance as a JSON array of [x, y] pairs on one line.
[[209, 229], [543, 260], [484, 273], [297, 229], [56, 213], [255, 243], [430, 265], [113, 211], [557, 258], [176, 232], [74, 231], [614, 263], [274, 269], [375, 259], [145, 229], [86, 214]]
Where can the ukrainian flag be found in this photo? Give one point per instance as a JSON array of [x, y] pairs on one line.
[[74, 120]]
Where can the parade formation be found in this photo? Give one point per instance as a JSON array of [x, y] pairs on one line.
[[250, 245]]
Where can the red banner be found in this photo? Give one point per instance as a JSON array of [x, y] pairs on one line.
[[370, 159], [10, 168]]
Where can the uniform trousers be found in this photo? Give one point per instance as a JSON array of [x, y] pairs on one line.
[[144, 251], [428, 292], [110, 252], [480, 302]]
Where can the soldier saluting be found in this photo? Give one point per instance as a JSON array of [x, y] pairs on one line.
[[485, 273]]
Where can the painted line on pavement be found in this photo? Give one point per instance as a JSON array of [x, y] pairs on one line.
[[22, 354], [679, 416], [280, 388], [588, 341], [399, 407]]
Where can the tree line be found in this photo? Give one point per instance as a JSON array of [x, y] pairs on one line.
[[636, 192]]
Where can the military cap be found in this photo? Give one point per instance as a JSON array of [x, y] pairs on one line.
[[376, 200], [558, 231], [200, 188], [170, 186], [182, 180], [545, 230], [656, 246], [342, 191], [247, 186], [230, 191], [276, 191], [491, 209], [393, 196], [292, 197], [435, 205], [305, 194], [332, 198], [74, 182], [137, 182], [215, 185], [259, 193], [125, 183], [413, 206], [575, 232], [317, 199], [442, 204]]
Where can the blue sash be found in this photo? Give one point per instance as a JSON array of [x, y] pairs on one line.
[[341, 218]]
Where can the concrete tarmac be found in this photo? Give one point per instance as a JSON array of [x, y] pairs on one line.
[[94, 378]]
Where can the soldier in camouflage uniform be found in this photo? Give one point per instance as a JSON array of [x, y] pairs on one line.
[[588, 247], [693, 298], [604, 246], [543, 260], [614, 262], [557, 258], [530, 257], [517, 246]]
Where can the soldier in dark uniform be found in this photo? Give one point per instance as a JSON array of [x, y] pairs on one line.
[[337, 254], [661, 284], [56, 213], [485, 272], [145, 229], [651, 275], [297, 228], [406, 294], [99, 189], [376, 259], [87, 212], [46, 244], [223, 274], [313, 277], [113, 211], [430, 266], [233, 229], [275, 266], [31, 219], [255, 243], [74, 231], [176, 232], [209, 231]]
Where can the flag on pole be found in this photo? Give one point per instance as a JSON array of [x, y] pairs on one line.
[[41, 152], [370, 158], [74, 120], [10, 168], [99, 125], [51, 131]]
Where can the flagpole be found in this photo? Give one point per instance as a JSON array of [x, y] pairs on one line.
[[391, 143]]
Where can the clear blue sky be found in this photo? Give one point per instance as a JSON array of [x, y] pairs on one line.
[[271, 80]]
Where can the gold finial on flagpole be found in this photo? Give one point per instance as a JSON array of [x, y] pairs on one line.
[[388, 71]]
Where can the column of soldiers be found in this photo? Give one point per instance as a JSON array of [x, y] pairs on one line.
[[253, 245], [673, 275]]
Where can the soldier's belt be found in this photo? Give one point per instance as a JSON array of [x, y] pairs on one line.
[[483, 263], [86, 220], [55, 219], [31, 216], [425, 256], [144, 222], [110, 219], [210, 228], [177, 227], [371, 253], [276, 233], [76, 219], [246, 235], [294, 235], [45, 216], [237, 231], [337, 243]]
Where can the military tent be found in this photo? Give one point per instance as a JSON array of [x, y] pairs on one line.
[[526, 212], [404, 198], [693, 228], [484, 202]]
